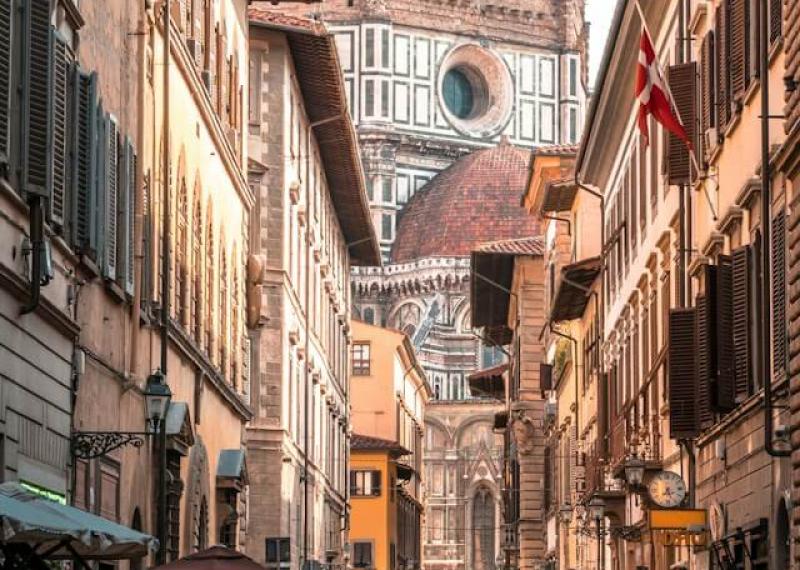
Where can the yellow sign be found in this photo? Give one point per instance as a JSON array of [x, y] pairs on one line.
[[679, 519], [680, 538]]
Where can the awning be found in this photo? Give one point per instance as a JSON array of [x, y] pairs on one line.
[[571, 296], [179, 427], [489, 382], [60, 532], [231, 468]]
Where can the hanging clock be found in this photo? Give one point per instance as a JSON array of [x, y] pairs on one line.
[[666, 489]]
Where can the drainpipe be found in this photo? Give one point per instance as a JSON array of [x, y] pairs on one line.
[[766, 202], [309, 264]]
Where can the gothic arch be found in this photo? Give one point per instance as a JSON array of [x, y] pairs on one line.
[[398, 317], [465, 426], [209, 271], [181, 222], [197, 491], [483, 514], [197, 241]]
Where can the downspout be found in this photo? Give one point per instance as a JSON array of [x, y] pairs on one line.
[[766, 203], [307, 396]]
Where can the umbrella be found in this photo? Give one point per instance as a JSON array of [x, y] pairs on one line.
[[214, 558]]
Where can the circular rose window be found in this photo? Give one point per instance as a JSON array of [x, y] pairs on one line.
[[475, 91]]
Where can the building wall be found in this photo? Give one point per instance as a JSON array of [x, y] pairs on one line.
[[374, 519], [301, 327]]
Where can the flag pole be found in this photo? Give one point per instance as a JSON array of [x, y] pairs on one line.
[[692, 157]]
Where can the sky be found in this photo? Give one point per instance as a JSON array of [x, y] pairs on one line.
[[598, 13]]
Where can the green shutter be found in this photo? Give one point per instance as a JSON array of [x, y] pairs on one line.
[[62, 62], [127, 194], [6, 39], [37, 99], [109, 196], [84, 162]]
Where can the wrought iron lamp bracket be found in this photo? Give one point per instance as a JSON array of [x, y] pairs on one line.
[[94, 444]]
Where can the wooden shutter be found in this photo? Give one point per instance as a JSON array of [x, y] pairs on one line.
[[708, 117], [62, 68], [37, 99], [6, 35], [741, 294], [683, 82], [778, 247], [109, 196], [724, 395], [682, 373], [84, 162], [127, 193], [376, 482], [705, 357], [546, 376], [737, 59], [775, 20], [722, 68], [643, 202], [353, 486]]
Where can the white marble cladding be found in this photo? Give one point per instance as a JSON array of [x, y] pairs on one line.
[[427, 273]]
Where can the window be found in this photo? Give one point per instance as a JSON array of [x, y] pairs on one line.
[[384, 48], [369, 98], [369, 55], [385, 98], [386, 227], [458, 95], [573, 126], [278, 553], [365, 483], [370, 188], [387, 190], [573, 78], [361, 359], [362, 555]]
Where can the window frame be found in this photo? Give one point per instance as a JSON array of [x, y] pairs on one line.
[[358, 367]]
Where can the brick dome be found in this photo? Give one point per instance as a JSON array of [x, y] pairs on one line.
[[474, 201]]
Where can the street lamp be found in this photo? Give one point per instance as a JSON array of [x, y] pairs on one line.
[[597, 508], [634, 471], [157, 397], [565, 513]]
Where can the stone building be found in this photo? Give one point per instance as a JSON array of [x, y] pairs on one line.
[[311, 224], [101, 108], [425, 293]]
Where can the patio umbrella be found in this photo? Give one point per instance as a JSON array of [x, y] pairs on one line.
[[214, 558]]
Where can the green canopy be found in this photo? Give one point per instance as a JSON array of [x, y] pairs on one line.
[[59, 531]]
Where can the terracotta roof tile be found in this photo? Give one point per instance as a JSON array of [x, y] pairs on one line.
[[369, 443], [523, 246], [474, 201], [556, 150]]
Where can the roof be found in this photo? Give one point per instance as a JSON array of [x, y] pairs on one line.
[[473, 201], [556, 150], [231, 464], [322, 85], [491, 273], [559, 196], [572, 290], [369, 443], [489, 382], [60, 531]]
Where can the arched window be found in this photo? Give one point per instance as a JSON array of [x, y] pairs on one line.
[[235, 333], [200, 531], [197, 267], [210, 270], [223, 310], [181, 270], [483, 531]]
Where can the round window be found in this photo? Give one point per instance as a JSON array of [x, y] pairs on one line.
[[457, 92]]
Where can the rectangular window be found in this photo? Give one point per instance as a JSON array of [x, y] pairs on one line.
[[369, 98], [573, 78], [366, 483], [278, 552], [361, 359], [385, 48], [387, 191], [369, 48], [384, 98], [370, 188], [573, 126], [362, 554], [386, 227]]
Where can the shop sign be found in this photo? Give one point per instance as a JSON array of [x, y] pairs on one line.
[[681, 537], [678, 519]]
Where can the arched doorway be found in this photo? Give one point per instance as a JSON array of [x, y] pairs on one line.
[[483, 529]]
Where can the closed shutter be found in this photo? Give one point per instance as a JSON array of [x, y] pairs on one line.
[[643, 202], [6, 38], [376, 483], [353, 486], [722, 68], [127, 193], [707, 69], [740, 299], [682, 374], [110, 197], [37, 99], [683, 82], [749, 38], [84, 162], [62, 69], [778, 248], [705, 334], [546, 376], [724, 397], [737, 58], [775, 20]]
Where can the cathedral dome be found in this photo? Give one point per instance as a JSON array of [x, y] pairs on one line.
[[475, 200]]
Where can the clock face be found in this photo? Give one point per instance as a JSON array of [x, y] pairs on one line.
[[667, 489]]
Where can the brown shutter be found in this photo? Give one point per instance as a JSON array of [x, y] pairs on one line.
[[775, 20], [683, 83], [722, 70], [749, 23], [6, 19], [724, 400], [737, 34], [778, 247], [707, 68], [704, 349], [546, 376], [740, 299], [682, 375], [643, 188]]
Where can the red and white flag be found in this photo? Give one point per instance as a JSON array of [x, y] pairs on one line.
[[653, 93]]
